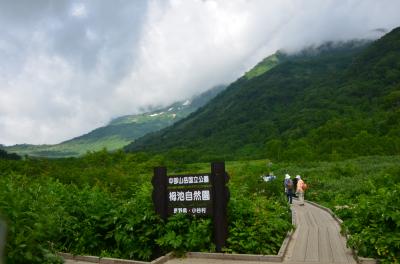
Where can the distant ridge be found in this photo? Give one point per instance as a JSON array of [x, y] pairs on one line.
[[120, 131]]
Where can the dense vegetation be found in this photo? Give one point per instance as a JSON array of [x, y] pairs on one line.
[[337, 101], [363, 192], [120, 131], [100, 204]]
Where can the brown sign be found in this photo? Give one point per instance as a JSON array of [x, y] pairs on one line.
[[190, 194], [204, 194], [190, 200]]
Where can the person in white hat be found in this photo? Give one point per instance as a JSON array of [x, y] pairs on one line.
[[300, 189], [288, 188]]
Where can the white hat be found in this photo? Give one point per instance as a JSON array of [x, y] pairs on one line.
[[298, 177], [287, 176]]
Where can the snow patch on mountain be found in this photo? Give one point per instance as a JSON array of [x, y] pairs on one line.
[[156, 114]]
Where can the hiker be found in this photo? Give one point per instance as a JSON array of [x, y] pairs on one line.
[[301, 187], [294, 187], [288, 188], [268, 178]]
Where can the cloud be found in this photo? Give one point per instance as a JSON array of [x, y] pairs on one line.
[[68, 67], [78, 10]]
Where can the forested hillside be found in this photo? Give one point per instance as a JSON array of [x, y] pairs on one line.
[[120, 131], [332, 102], [8, 156]]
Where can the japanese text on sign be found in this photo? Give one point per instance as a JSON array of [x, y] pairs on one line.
[[197, 210], [190, 179], [189, 195]]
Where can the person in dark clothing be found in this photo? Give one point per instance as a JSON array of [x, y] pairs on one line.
[[295, 186], [289, 188]]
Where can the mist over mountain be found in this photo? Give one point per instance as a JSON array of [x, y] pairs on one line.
[[69, 66], [120, 131], [333, 101]]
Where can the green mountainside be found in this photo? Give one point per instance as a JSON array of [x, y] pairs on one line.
[[120, 131], [265, 65], [337, 101]]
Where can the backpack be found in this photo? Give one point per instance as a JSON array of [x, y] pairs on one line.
[[289, 184], [304, 186]]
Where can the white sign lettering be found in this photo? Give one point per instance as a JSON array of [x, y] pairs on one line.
[[181, 196], [197, 195], [172, 196], [195, 210], [189, 196], [189, 179], [206, 179], [205, 195]]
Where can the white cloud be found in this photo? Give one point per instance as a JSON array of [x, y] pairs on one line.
[[62, 76], [43, 92], [189, 46], [78, 10]]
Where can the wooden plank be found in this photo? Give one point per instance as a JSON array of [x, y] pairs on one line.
[[312, 219], [324, 249], [300, 247], [321, 217], [301, 219], [312, 245], [338, 253]]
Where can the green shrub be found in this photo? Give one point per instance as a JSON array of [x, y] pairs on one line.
[[374, 224], [186, 233], [258, 224], [33, 214]]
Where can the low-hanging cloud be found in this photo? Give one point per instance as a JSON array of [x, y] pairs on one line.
[[70, 66]]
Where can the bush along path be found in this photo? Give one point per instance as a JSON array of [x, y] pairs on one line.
[[317, 239], [45, 216]]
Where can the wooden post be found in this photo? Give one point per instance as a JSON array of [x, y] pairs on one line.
[[2, 239], [219, 179], [160, 197]]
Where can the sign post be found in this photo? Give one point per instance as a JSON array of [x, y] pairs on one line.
[[202, 194], [159, 182], [221, 197]]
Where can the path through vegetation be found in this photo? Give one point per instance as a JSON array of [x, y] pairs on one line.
[[317, 239]]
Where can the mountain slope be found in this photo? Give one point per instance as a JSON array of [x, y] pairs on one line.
[[335, 101], [120, 131], [265, 65]]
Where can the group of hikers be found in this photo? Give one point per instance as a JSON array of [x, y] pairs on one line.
[[295, 188]]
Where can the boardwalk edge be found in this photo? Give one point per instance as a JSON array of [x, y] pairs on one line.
[[359, 259], [250, 257], [94, 259]]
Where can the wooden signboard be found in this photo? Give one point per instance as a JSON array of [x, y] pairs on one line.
[[189, 194], [202, 194]]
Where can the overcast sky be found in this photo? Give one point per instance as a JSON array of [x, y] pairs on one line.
[[67, 67]]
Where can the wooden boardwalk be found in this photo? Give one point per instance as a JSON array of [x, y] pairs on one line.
[[317, 239]]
